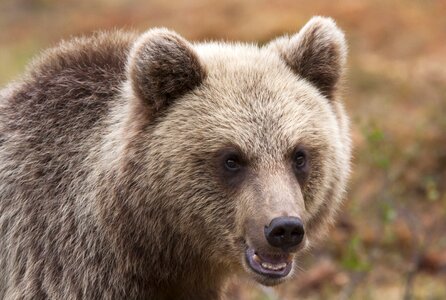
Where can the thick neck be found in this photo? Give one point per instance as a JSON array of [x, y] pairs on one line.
[[195, 284]]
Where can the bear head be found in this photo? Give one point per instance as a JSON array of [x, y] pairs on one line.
[[246, 148]]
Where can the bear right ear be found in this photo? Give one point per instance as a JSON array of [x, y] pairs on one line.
[[162, 67], [317, 53]]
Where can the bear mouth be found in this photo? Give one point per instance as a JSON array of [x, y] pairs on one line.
[[274, 266]]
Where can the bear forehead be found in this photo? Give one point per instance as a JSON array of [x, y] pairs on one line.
[[250, 98], [256, 80], [246, 62]]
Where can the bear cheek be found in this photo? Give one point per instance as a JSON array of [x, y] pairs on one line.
[[319, 194]]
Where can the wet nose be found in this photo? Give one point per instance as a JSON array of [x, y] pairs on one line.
[[285, 232]]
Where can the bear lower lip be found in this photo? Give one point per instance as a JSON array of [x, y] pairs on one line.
[[272, 266]]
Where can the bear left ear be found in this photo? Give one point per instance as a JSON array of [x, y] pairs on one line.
[[162, 67], [317, 53]]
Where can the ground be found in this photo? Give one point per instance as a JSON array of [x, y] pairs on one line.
[[389, 241]]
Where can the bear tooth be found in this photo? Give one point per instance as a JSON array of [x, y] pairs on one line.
[[256, 258], [282, 265], [266, 265], [273, 267]]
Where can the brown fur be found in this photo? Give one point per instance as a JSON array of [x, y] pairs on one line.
[[111, 150], [317, 54], [164, 68]]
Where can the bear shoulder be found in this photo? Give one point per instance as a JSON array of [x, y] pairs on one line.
[[70, 85], [88, 56]]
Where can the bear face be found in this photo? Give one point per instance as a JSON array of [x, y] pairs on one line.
[[250, 145]]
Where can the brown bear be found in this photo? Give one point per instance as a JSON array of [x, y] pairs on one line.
[[148, 167]]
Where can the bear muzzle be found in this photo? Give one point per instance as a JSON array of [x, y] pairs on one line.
[[270, 254]]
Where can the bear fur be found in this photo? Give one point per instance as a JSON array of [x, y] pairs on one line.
[[146, 167]]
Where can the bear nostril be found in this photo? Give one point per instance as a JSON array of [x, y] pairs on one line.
[[285, 232], [279, 232], [296, 233]]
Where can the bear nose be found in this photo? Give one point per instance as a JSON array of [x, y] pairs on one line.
[[285, 232]]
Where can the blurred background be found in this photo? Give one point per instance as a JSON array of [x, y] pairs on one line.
[[390, 238]]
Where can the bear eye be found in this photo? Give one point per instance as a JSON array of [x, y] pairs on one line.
[[232, 163], [300, 160], [231, 167]]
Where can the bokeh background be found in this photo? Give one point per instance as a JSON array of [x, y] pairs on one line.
[[390, 239]]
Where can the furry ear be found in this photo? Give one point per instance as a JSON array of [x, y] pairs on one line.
[[162, 67], [317, 53]]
